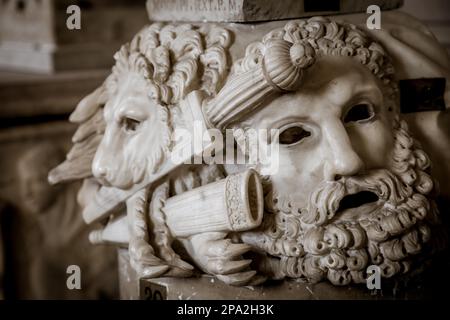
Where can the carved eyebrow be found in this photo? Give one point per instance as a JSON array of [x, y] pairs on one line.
[[132, 112], [371, 92], [132, 109], [361, 90], [290, 119]]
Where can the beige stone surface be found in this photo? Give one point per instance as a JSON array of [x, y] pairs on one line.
[[208, 288], [395, 23], [353, 187], [255, 10]]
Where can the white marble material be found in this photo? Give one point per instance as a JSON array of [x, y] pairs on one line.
[[353, 187]]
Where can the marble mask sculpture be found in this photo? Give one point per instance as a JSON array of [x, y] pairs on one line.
[[353, 187]]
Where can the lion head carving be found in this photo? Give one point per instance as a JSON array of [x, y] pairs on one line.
[[151, 75]]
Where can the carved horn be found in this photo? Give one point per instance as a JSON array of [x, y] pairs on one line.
[[232, 204]]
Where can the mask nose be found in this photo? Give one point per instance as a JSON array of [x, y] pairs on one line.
[[100, 168], [343, 160]]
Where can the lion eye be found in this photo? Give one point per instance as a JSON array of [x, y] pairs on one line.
[[359, 112], [130, 125], [292, 135]]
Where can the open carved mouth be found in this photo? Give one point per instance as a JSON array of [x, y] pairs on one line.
[[356, 200]]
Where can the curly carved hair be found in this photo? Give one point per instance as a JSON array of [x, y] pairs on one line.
[[174, 60]]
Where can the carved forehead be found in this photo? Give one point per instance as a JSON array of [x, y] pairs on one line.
[[133, 93], [331, 81], [329, 71]]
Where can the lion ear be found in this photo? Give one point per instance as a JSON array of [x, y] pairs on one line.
[[89, 105], [89, 116]]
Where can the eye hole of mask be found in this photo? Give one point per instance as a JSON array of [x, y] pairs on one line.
[[359, 112], [130, 124], [293, 135]]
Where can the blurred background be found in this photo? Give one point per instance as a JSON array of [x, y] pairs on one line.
[[45, 70]]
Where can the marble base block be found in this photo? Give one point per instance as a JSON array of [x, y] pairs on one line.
[[206, 287], [255, 10]]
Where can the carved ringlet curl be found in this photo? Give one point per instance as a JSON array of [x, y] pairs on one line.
[[310, 268], [174, 60], [215, 68], [357, 260], [335, 259], [339, 277]]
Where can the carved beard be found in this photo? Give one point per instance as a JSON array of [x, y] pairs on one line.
[[329, 240]]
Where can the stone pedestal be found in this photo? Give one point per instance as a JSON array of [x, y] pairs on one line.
[[128, 281], [206, 287], [255, 10]]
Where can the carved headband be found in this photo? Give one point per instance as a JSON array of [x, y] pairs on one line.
[[279, 70]]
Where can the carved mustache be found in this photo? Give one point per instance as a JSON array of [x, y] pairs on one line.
[[333, 197]]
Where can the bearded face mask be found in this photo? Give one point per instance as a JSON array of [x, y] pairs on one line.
[[381, 217], [353, 188]]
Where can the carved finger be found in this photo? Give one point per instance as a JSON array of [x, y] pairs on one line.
[[257, 280], [140, 249], [148, 267], [237, 279], [149, 259], [223, 267], [145, 271], [226, 249], [142, 252], [207, 236], [177, 272], [179, 263], [173, 259], [235, 250], [217, 248]]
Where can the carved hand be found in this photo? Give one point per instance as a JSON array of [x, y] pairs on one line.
[[143, 260], [214, 254]]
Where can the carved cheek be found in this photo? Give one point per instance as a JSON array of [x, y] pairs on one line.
[[300, 172], [373, 143]]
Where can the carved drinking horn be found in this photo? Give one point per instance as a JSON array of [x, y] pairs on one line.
[[232, 204], [277, 67]]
